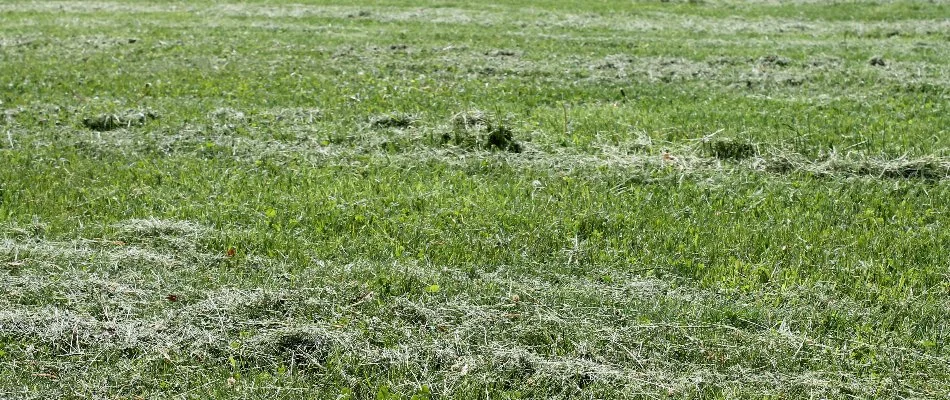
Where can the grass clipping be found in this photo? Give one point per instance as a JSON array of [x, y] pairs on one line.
[[480, 130], [108, 122]]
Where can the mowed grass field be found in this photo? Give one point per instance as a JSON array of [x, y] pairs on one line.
[[454, 200]]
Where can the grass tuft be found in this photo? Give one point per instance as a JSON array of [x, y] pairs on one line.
[[774, 60], [393, 120], [730, 149], [477, 129], [108, 122]]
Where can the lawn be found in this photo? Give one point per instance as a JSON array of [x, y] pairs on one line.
[[456, 200]]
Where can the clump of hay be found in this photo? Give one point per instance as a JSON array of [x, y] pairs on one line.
[[153, 227], [775, 60], [929, 168], [393, 120], [108, 122], [730, 149], [479, 130], [301, 347]]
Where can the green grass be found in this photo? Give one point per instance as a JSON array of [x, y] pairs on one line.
[[421, 199]]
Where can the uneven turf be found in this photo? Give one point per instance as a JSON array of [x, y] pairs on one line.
[[714, 199]]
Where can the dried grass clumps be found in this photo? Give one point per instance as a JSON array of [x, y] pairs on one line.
[[730, 149], [928, 168], [301, 347], [775, 60], [153, 227], [108, 122], [479, 130], [393, 120], [925, 168]]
